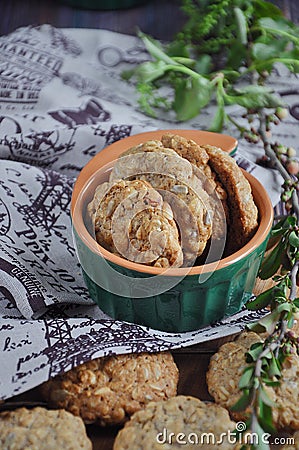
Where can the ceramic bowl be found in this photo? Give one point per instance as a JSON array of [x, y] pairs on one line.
[[178, 299]]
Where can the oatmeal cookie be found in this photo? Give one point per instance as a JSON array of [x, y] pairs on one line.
[[191, 212], [110, 389], [226, 368], [180, 421], [132, 220], [188, 149], [199, 158], [151, 157], [41, 429], [242, 209]]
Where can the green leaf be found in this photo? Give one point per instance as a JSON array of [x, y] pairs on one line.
[[265, 416], [236, 55], [274, 368], [266, 323], [278, 232], [150, 71], [177, 48], [265, 397], [291, 63], [291, 320], [281, 227], [241, 26], [188, 62], [292, 221], [271, 383], [283, 307], [259, 443], [294, 239], [218, 119], [254, 352], [266, 9], [243, 402], [262, 300], [280, 27], [155, 48], [272, 262], [191, 96], [252, 97], [263, 52], [203, 64], [246, 377]]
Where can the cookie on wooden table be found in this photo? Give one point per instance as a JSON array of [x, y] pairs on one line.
[[132, 220], [110, 389], [226, 368], [180, 422], [42, 429]]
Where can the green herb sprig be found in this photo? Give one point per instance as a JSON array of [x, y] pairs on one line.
[[198, 74]]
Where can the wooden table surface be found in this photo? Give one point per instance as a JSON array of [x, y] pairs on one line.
[[150, 18]]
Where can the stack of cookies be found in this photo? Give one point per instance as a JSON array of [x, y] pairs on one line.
[[167, 200]]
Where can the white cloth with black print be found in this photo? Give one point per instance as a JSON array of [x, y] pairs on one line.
[[62, 100]]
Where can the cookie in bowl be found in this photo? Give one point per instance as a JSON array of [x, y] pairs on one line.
[[132, 220]]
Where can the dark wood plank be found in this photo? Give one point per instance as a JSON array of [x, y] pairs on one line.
[[160, 18], [149, 17]]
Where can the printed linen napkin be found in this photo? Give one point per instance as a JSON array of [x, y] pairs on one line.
[[62, 100]]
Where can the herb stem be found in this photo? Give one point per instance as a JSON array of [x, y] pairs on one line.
[[293, 290]]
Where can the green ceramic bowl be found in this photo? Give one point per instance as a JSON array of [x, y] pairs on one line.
[[178, 299]]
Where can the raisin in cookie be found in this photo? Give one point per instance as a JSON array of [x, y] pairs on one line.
[[110, 389], [132, 220], [178, 422], [41, 429]]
